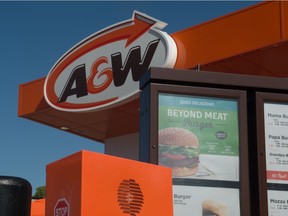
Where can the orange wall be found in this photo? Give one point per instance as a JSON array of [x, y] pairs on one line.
[[90, 182]]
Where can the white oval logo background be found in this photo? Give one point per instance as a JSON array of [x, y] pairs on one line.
[[165, 56]]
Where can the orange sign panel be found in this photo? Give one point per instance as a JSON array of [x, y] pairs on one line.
[[88, 183]]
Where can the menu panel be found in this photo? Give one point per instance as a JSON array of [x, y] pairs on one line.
[[277, 203], [276, 142], [199, 136], [206, 201]]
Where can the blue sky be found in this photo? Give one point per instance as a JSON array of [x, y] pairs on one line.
[[34, 35]]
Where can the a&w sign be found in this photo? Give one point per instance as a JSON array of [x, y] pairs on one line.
[[105, 68]]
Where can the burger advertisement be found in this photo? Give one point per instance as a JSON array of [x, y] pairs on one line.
[[199, 137], [206, 201]]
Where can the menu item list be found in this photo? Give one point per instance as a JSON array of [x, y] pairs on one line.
[[276, 142]]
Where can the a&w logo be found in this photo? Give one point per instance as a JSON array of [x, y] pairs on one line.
[[105, 68]]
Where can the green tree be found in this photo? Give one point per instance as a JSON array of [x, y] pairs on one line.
[[40, 193]]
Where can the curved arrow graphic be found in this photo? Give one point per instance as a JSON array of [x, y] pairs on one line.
[[130, 30]]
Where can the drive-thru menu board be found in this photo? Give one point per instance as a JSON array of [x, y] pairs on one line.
[[199, 139], [225, 136], [276, 147]]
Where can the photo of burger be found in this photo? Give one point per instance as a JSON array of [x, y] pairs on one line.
[[212, 208], [179, 150]]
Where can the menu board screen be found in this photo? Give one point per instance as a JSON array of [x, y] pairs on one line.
[[206, 201], [276, 142], [277, 203], [199, 136]]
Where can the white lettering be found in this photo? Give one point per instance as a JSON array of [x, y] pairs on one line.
[[61, 211], [216, 116], [184, 113]]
